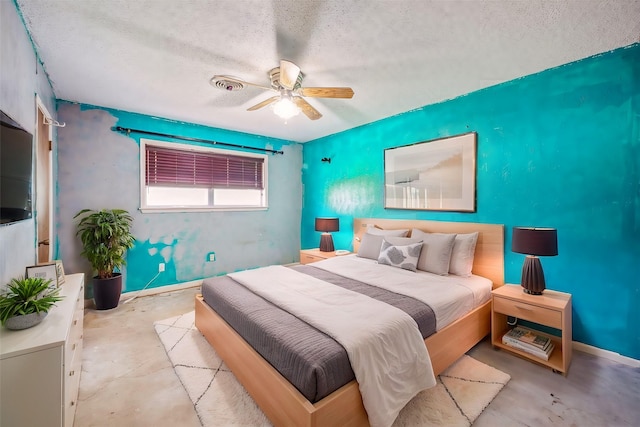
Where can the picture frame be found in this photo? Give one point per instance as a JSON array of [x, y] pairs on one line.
[[45, 271], [59, 272], [435, 175]]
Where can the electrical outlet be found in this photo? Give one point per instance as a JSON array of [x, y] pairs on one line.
[[211, 257], [161, 267]]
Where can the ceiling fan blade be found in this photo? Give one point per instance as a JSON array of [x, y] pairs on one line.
[[326, 92], [219, 81], [289, 73], [264, 103], [306, 108]]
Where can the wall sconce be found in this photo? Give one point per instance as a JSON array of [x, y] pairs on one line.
[[534, 242], [327, 225]]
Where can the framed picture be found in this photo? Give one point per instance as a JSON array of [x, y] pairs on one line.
[[59, 272], [437, 175], [44, 271]]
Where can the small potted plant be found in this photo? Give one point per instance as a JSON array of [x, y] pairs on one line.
[[26, 302], [106, 236]]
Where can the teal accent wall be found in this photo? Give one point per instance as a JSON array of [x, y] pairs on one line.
[[560, 148], [99, 168]]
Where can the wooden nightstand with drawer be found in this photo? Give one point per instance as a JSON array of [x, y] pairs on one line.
[[552, 309], [307, 256]]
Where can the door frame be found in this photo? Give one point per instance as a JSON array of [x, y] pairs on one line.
[[42, 109]]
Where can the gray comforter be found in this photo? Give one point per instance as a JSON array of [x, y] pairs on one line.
[[311, 360]]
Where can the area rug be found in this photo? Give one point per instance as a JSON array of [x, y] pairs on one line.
[[462, 392]]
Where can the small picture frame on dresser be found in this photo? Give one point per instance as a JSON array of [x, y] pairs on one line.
[[59, 272], [45, 271]]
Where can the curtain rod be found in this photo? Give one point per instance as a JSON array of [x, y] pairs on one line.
[[188, 138]]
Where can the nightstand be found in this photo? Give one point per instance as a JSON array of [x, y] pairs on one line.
[[552, 309], [307, 256]]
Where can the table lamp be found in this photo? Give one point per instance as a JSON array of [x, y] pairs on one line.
[[326, 225], [534, 242]]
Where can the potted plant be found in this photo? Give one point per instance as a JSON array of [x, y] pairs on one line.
[[26, 302], [106, 236]]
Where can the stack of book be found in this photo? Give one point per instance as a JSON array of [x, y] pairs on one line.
[[529, 341]]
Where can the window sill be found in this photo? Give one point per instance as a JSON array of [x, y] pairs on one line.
[[176, 209]]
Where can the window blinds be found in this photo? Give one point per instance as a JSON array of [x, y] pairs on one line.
[[186, 168]]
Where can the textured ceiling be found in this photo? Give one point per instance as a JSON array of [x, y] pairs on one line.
[[156, 56]]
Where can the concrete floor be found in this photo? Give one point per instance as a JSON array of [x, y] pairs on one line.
[[127, 379]]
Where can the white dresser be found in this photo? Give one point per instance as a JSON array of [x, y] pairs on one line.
[[40, 366]]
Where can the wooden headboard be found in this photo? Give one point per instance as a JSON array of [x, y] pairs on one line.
[[489, 257]]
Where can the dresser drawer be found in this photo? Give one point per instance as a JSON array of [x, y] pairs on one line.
[[529, 312], [71, 385], [73, 362], [75, 334]]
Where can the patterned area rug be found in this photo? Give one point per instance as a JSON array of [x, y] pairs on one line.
[[463, 391]]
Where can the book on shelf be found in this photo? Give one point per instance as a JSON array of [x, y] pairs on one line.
[[537, 353], [529, 341], [528, 338]]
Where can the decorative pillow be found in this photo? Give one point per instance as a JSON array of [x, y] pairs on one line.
[[370, 246], [405, 256], [381, 232], [464, 249], [401, 241], [372, 241], [436, 252]]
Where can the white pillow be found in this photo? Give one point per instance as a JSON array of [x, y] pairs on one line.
[[436, 251], [464, 249], [371, 241], [404, 256]]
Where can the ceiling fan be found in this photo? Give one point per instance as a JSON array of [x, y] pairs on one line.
[[286, 80]]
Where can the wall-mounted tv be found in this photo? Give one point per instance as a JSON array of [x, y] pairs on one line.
[[16, 171]]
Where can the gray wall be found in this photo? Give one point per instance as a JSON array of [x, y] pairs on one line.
[[100, 168], [21, 78]]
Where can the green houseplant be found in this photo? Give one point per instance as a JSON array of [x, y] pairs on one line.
[[26, 302], [106, 236]]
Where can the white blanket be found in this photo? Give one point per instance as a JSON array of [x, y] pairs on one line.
[[450, 297], [385, 347]]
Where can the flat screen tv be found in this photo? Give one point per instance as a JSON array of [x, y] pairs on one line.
[[16, 171]]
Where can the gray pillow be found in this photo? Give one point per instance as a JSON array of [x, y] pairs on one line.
[[401, 241], [370, 246], [404, 256], [381, 232], [464, 249], [371, 241], [436, 252]]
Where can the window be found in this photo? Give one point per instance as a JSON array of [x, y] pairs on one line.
[[180, 177]]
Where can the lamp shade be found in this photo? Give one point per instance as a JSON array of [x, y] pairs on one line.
[[535, 241], [327, 224]]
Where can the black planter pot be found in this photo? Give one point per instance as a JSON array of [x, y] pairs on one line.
[[106, 292]]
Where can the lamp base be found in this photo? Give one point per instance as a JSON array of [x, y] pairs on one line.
[[532, 276], [326, 243]]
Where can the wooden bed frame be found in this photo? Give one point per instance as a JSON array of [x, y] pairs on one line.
[[284, 405]]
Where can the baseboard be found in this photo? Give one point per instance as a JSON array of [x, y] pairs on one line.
[[88, 303], [616, 357], [162, 289]]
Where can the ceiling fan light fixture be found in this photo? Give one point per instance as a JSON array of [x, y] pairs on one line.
[[285, 108], [286, 81]]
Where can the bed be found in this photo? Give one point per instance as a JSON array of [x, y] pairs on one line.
[[284, 404]]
